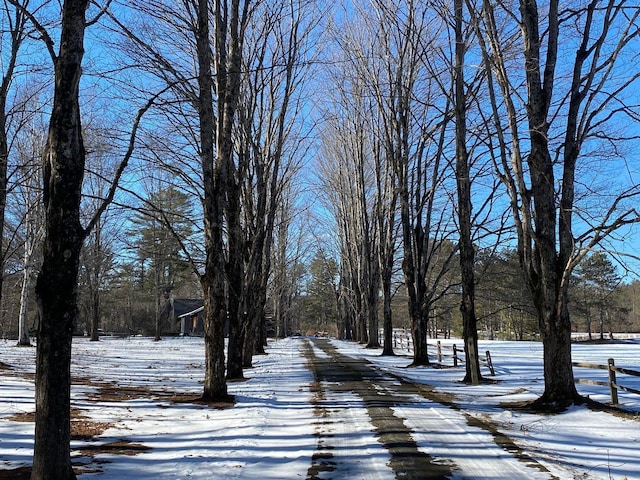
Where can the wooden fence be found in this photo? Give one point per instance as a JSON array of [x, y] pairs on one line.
[[402, 340], [612, 381]]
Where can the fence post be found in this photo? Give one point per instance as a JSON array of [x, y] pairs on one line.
[[612, 381], [439, 349], [490, 363], [455, 355]]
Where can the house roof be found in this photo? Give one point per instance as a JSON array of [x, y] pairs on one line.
[[191, 313], [186, 306]]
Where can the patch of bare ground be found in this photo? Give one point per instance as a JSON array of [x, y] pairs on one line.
[[117, 447], [81, 427], [115, 393], [83, 458], [20, 473], [12, 371]]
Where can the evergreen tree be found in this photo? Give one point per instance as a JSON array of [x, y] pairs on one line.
[[160, 230], [319, 303], [597, 280]]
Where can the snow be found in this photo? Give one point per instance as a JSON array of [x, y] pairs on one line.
[[278, 429]]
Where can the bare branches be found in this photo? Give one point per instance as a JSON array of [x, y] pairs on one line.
[[44, 34], [123, 164], [103, 10]]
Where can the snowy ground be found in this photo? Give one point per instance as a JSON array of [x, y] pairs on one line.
[[132, 392]]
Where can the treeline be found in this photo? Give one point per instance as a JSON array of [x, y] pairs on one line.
[[601, 305]]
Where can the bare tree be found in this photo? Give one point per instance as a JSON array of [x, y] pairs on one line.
[[416, 134], [269, 147], [463, 180], [204, 103], [29, 192], [568, 106], [287, 269], [346, 173], [15, 34], [352, 178], [215, 155], [56, 285]]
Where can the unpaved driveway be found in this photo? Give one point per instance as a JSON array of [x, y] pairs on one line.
[[392, 404]]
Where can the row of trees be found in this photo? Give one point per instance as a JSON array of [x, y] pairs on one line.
[[129, 295], [218, 85], [470, 126], [601, 304], [441, 132]]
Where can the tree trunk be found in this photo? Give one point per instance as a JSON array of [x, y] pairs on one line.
[[94, 282], [559, 383], [56, 287], [372, 313], [215, 385], [95, 315], [419, 334], [17, 34], [23, 328], [387, 316], [212, 280], [545, 268], [29, 246], [236, 345], [463, 180], [4, 159]]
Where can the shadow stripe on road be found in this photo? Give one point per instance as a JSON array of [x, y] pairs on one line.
[[341, 374]]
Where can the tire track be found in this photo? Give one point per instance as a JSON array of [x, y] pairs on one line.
[[386, 397], [341, 374]]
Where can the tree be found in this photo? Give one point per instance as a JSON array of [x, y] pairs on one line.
[[416, 121], [97, 255], [29, 196], [463, 181], [57, 282], [320, 295], [567, 105], [346, 171], [269, 149], [221, 198], [598, 279], [288, 269], [15, 20], [503, 302], [203, 94], [160, 228], [56, 287]]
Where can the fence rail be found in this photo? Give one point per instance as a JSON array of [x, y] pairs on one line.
[[402, 340], [612, 381]]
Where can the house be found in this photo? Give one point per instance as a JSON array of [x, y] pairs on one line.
[[188, 312]]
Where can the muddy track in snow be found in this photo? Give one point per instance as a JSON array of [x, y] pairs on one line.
[[380, 393]]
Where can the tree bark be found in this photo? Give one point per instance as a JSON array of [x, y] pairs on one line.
[[463, 180], [212, 279], [545, 270], [387, 315], [56, 286]]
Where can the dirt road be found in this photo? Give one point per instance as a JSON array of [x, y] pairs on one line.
[[385, 398]]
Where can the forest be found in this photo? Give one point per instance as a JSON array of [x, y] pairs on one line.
[[465, 168]]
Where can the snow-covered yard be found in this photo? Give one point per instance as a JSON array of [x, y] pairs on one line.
[[134, 415]]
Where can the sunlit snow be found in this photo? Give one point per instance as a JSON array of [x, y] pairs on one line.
[[140, 390]]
